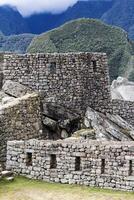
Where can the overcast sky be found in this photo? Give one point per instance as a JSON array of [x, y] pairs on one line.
[[28, 7]]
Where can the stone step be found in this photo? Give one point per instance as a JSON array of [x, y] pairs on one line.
[[6, 173], [11, 178]]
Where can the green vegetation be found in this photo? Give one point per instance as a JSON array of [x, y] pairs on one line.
[[87, 35], [15, 43], [11, 21], [25, 189], [121, 14]]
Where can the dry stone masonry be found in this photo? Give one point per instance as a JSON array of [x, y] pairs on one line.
[[21, 120], [125, 109], [66, 82], [74, 80], [91, 163]]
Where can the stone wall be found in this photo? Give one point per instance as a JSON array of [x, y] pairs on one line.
[[91, 163], [19, 119], [74, 80], [125, 109]]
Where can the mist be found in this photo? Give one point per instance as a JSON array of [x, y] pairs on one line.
[[29, 7]]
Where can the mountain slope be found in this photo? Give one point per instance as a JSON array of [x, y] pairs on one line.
[[15, 43], [11, 22], [39, 23], [87, 35], [114, 12], [121, 14]]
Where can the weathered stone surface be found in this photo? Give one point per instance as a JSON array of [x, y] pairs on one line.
[[108, 127], [70, 125], [50, 123], [61, 119], [60, 113], [9, 178], [8, 99], [2, 95], [64, 134], [6, 173], [85, 133], [74, 161], [15, 89], [20, 119]]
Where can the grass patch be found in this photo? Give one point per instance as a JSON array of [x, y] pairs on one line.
[[25, 189]]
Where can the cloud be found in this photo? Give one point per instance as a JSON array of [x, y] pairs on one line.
[[28, 7]]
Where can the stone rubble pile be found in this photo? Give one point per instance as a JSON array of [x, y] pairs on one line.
[[108, 127], [60, 122]]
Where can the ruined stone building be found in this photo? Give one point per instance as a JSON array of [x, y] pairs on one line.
[[73, 81]]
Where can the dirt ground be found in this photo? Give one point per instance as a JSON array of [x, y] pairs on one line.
[[24, 189]]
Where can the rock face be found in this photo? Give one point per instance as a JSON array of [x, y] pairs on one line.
[[7, 99], [4, 98], [15, 89], [122, 89], [108, 127], [59, 112], [59, 122], [85, 134]]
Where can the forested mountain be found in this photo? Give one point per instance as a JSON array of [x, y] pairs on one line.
[[114, 12], [15, 43], [121, 14], [11, 22], [80, 35], [88, 9], [87, 35]]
